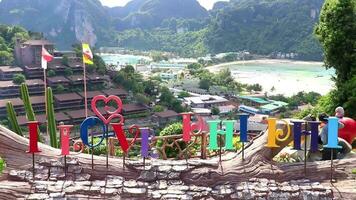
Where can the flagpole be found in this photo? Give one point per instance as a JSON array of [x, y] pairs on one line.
[[45, 86]]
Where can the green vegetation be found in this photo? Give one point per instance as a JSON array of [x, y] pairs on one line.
[[8, 37], [18, 79], [28, 106], [183, 94], [12, 119], [215, 111], [158, 108], [51, 73], [353, 171], [173, 129], [65, 60], [336, 31], [51, 121], [301, 98], [2, 165], [167, 99]]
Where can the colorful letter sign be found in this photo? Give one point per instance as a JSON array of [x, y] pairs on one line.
[[333, 128], [86, 125], [33, 137], [65, 134], [274, 134], [314, 132], [229, 133], [189, 127]]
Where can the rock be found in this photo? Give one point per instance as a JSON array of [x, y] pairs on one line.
[[130, 183], [162, 184], [134, 191], [57, 195], [173, 175], [37, 196], [179, 168], [76, 169], [98, 183], [164, 168], [148, 176], [108, 191], [236, 195]]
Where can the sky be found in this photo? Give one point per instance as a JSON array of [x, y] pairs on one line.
[[208, 4]]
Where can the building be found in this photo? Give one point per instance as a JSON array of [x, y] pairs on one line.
[[33, 72], [7, 72], [57, 80], [78, 116], [165, 117], [205, 101], [68, 101], [29, 53], [16, 103], [226, 109], [130, 109], [168, 76], [8, 89], [38, 103], [97, 79], [91, 95], [252, 101], [42, 119], [273, 107], [76, 80], [120, 92]]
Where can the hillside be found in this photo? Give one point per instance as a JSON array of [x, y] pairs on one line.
[[182, 26], [63, 21]]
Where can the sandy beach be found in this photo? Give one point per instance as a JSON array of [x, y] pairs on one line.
[[218, 67], [286, 77]]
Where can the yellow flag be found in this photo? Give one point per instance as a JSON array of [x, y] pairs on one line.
[[87, 54]]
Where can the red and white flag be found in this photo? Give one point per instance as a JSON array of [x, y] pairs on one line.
[[46, 57]]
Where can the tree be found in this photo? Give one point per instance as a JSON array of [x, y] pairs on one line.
[[336, 31], [51, 73], [68, 71], [140, 98], [6, 58], [60, 88], [158, 108], [18, 79], [183, 94], [215, 111], [205, 83], [65, 60]]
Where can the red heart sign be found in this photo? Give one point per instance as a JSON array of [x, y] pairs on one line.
[[110, 114]]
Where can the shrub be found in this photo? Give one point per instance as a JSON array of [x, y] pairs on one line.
[[18, 79], [173, 129], [353, 171], [51, 73]]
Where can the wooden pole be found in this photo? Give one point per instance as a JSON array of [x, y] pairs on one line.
[[332, 166], [243, 151], [107, 145], [45, 89]]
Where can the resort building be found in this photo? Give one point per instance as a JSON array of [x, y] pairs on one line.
[[7, 72], [8, 89], [205, 101], [76, 80], [38, 103], [131, 109], [91, 95], [57, 80], [17, 104], [68, 101], [78, 116], [29, 53], [120, 92], [165, 117], [252, 101], [42, 119]]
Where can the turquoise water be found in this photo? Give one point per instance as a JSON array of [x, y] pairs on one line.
[[122, 59], [286, 78]]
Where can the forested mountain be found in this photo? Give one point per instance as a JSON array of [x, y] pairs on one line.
[[182, 26], [63, 21]]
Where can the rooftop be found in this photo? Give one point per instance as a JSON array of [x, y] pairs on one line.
[[57, 79], [38, 42], [91, 94], [78, 114], [37, 99], [76, 78], [30, 82], [15, 102], [10, 69], [206, 99], [42, 118], [133, 107], [68, 97], [166, 114], [255, 99], [116, 91]]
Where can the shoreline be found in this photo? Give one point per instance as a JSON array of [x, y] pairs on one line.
[[218, 67]]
